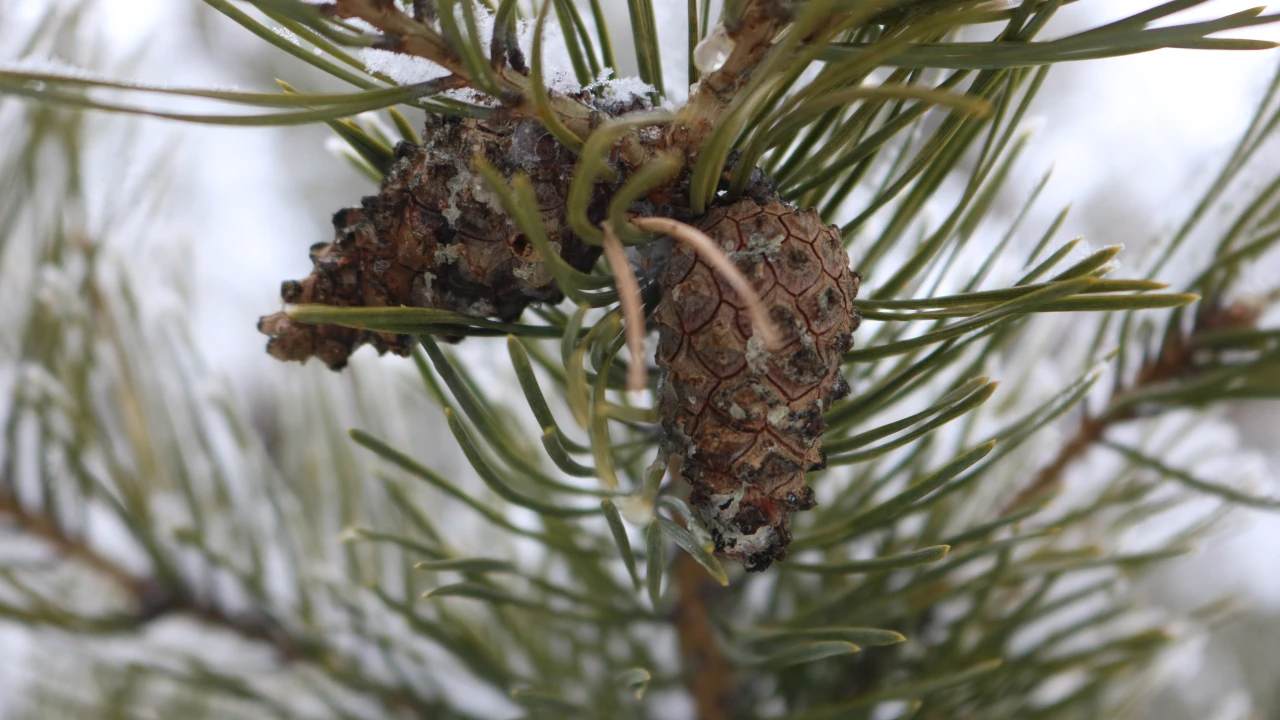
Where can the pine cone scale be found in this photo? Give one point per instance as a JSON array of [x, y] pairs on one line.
[[748, 421], [436, 236]]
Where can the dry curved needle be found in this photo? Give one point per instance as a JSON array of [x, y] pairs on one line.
[[715, 257], [632, 312]]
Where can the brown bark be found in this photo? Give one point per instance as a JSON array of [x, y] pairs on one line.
[[710, 677]]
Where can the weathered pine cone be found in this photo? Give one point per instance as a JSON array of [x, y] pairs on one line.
[[746, 421], [435, 236]]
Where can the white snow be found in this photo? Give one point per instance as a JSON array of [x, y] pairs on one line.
[[623, 89], [403, 69]]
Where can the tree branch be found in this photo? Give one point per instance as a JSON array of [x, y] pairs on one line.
[[41, 527], [751, 37], [710, 676], [758, 24], [1175, 359], [154, 599]]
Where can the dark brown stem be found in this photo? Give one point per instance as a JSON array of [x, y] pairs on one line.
[[710, 676], [759, 23], [152, 598]]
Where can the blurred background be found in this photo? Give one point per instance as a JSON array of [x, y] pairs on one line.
[[1131, 142]]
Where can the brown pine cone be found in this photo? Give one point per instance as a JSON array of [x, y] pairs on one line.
[[435, 236], [748, 421]]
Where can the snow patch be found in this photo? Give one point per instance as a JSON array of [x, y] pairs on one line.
[[287, 35], [403, 69], [622, 90]]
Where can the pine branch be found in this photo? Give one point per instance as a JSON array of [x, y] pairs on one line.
[[153, 600], [1176, 359], [77, 549], [151, 596], [403, 34], [727, 57], [744, 42], [710, 677], [549, 613]]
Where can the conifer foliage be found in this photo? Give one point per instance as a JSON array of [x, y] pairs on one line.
[[673, 281]]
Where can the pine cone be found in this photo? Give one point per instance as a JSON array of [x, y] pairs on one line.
[[435, 236], [746, 421]]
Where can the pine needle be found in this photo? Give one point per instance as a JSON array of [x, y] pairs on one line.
[[632, 312]]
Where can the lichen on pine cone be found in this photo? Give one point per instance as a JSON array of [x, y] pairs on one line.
[[435, 236], [747, 421]]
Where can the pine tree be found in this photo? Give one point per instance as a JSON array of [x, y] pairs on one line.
[[740, 344]]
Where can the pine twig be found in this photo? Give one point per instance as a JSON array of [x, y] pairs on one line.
[[749, 38], [710, 676], [152, 599], [41, 527], [1090, 431], [1175, 359]]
